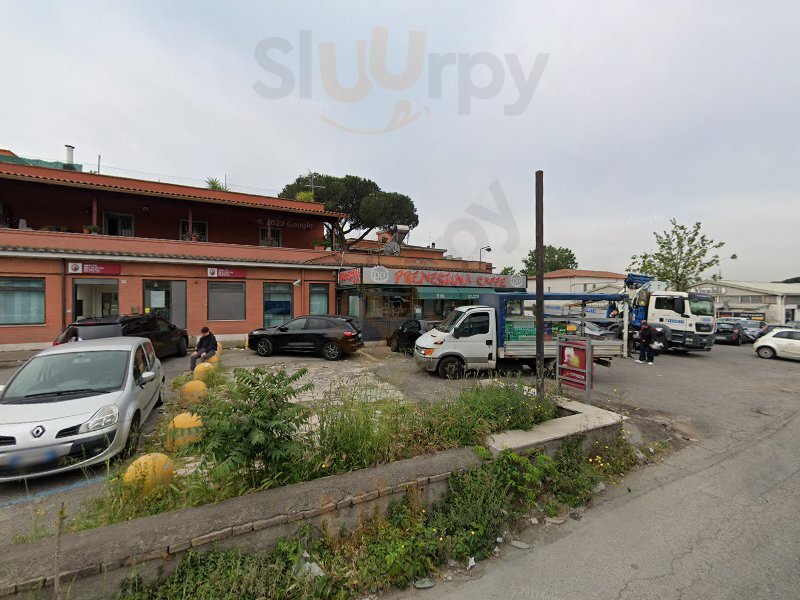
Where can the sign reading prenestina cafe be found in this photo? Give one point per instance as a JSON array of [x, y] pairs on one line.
[[350, 276], [379, 275]]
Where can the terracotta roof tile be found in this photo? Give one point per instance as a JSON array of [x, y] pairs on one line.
[[156, 188]]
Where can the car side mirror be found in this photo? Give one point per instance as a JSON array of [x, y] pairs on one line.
[[283, 328], [147, 377], [2, 387], [456, 333], [679, 306]]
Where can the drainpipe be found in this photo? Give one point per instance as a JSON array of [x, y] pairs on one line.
[[94, 210], [190, 227], [63, 293]]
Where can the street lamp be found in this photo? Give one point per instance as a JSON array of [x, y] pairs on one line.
[[480, 252], [719, 268]]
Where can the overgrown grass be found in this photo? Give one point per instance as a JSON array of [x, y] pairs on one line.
[[391, 550], [256, 437]]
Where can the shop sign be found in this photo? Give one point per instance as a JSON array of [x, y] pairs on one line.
[[414, 277], [350, 277], [82, 268], [225, 273]]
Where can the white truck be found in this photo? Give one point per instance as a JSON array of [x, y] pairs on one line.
[[684, 321], [496, 333]]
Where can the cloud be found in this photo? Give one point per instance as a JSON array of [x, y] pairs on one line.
[[644, 112]]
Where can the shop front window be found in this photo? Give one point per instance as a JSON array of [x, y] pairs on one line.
[[277, 303], [318, 299], [21, 301], [226, 301]]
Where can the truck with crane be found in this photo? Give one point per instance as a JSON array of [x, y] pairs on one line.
[[684, 321]]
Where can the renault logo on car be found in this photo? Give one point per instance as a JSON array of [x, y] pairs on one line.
[[37, 431]]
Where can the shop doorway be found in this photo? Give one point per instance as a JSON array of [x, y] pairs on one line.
[[165, 299], [95, 298]]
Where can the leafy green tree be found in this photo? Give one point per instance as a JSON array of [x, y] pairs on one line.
[[507, 271], [367, 206], [554, 259], [214, 183], [683, 253]]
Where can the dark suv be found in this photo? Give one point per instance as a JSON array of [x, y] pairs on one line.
[[331, 336], [167, 339]]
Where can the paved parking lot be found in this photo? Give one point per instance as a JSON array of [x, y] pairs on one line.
[[718, 408]]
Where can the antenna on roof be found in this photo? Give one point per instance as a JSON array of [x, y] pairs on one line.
[[311, 183]]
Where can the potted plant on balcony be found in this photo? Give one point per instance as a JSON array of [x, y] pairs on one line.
[[93, 229]]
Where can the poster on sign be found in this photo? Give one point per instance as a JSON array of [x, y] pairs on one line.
[[575, 364]]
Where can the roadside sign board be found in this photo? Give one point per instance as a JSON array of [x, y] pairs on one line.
[[575, 364]]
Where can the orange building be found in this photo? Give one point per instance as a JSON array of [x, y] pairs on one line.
[[75, 244]]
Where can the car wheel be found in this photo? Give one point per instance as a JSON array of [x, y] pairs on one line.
[[451, 368], [162, 388], [765, 352], [181, 347], [332, 351], [134, 438], [394, 343], [264, 347]]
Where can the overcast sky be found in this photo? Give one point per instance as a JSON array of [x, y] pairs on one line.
[[643, 111]]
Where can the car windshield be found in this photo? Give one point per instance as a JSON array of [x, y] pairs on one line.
[[702, 308], [726, 326], [68, 375], [450, 322], [752, 324]]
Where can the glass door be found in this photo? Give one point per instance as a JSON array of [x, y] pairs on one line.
[[277, 303]]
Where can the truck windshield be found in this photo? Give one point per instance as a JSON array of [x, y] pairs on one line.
[[702, 308], [450, 322]]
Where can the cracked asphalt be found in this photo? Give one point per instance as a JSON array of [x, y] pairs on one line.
[[718, 519]]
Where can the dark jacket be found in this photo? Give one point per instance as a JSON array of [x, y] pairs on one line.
[[647, 335], [207, 343]]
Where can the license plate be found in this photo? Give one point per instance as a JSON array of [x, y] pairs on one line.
[[28, 458]]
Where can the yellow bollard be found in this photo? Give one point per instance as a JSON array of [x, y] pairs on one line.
[[203, 369], [149, 471], [186, 428], [193, 391]]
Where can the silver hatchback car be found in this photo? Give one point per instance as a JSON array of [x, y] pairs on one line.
[[77, 404]]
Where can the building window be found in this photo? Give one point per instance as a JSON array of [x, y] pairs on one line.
[[750, 299], [21, 301], [199, 231], [226, 301], [318, 299], [270, 237], [118, 224], [277, 303]]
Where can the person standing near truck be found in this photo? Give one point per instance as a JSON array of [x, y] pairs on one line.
[[647, 337]]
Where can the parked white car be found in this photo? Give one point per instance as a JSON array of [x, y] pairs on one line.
[[77, 404], [783, 343]]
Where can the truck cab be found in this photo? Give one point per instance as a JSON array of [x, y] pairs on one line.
[[465, 340], [683, 320]]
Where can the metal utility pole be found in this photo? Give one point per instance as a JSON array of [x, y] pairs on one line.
[[539, 283]]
